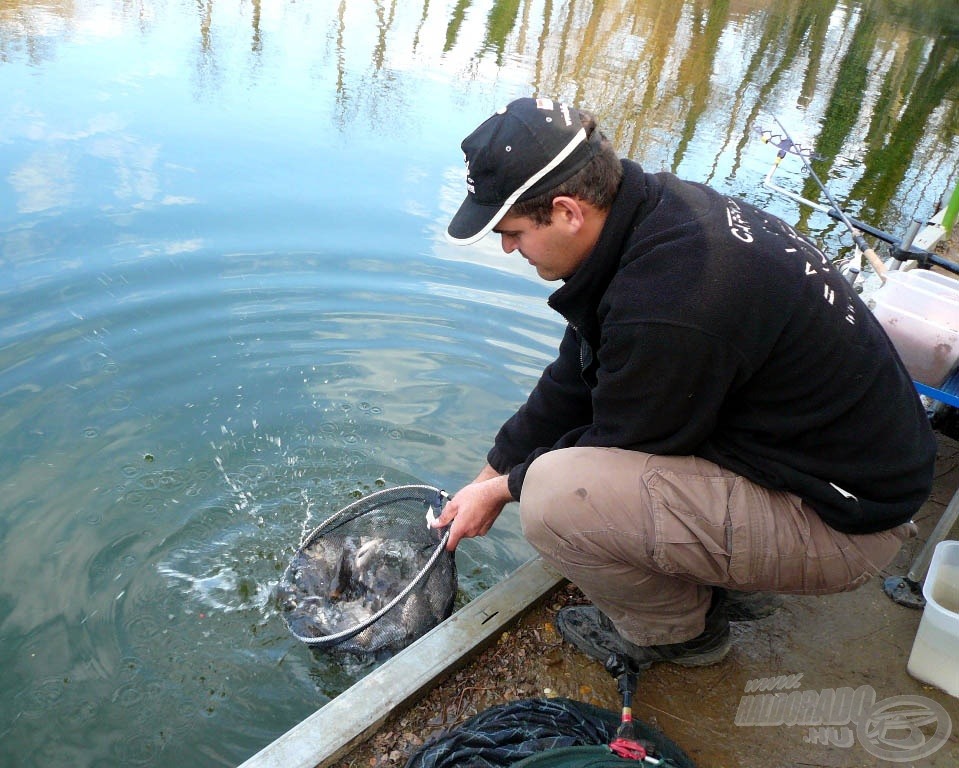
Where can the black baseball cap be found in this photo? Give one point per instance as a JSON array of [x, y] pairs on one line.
[[525, 149]]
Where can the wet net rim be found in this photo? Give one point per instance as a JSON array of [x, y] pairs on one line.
[[346, 634]]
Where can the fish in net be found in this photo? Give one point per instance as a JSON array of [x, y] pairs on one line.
[[373, 577]]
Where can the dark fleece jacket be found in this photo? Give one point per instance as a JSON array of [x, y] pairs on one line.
[[701, 325]]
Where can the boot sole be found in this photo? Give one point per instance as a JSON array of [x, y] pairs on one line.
[[703, 659]]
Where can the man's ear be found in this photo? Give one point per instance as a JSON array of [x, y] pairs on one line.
[[569, 212]]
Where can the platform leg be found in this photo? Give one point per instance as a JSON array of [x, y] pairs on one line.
[[907, 590]]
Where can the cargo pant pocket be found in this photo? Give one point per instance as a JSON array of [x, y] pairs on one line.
[[695, 534], [725, 530]]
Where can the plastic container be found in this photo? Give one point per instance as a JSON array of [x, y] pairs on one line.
[[923, 293], [933, 280], [921, 316], [935, 651]]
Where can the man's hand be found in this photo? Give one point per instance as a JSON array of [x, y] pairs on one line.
[[474, 509]]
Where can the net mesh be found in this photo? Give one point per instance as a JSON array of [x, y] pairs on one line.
[[374, 576]]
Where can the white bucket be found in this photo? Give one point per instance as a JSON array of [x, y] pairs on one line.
[[935, 651]]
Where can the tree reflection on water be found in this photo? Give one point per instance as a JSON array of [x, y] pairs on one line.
[[873, 82]]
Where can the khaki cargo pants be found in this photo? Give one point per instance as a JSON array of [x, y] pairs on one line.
[[645, 537]]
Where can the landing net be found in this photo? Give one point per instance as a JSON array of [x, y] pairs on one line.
[[374, 576]]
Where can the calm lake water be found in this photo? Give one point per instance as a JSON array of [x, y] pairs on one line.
[[227, 308]]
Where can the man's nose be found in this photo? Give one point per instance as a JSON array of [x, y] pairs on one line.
[[508, 243]]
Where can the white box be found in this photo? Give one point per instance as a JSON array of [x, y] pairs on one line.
[[935, 651], [920, 314], [932, 296], [933, 280]]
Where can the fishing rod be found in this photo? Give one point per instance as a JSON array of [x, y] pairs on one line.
[[788, 146], [902, 248], [785, 146]]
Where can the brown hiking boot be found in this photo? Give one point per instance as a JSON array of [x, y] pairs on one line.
[[591, 631]]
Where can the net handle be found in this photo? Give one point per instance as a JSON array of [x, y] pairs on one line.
[[346, 634]]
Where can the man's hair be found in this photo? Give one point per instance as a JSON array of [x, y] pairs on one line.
[[596, 183]]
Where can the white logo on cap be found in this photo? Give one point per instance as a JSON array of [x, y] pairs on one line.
[[469, 180], [544, 104]]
